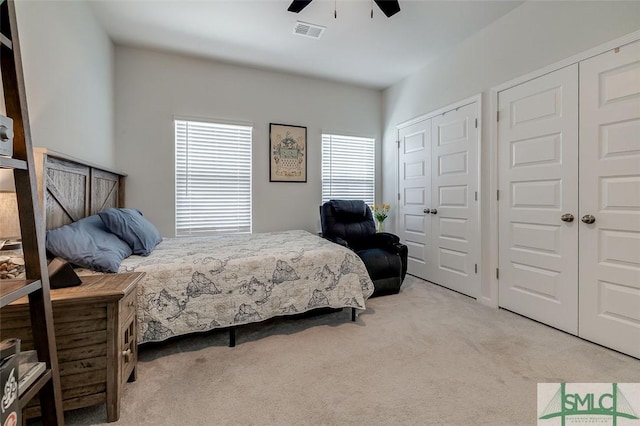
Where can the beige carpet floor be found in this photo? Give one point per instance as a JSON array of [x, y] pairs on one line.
[[428, 356]]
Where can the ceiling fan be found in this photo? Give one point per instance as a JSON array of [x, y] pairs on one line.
[[388, 7]]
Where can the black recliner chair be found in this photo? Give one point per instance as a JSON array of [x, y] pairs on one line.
[[350, 224]]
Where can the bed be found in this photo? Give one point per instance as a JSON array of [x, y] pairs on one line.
[[202, 283], [198, 284]]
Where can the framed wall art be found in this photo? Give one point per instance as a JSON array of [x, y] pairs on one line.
[[287, 153]]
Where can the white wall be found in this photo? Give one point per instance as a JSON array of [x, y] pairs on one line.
[[68, 68], [532, 36], [151, 87]]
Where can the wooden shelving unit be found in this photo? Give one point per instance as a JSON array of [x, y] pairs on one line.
[[12, 163], [36, 284], [12, 290]]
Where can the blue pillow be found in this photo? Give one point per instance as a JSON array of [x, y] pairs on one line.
[[89, 244], [133, 228]]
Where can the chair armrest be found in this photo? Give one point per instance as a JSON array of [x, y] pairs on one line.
[[383, 240], [388, 242], [391, 238]]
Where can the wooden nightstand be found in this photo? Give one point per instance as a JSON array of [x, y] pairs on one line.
[[96, 333]]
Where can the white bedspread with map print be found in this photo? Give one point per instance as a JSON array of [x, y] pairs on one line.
[[201, 283]]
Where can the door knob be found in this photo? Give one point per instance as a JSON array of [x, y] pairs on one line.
[[427, 211], [588, 218], [567, 217], [434, 211]]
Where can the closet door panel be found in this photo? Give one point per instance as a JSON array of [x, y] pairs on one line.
[[610, 191], [538, 180], [455, 226], [415, 196]]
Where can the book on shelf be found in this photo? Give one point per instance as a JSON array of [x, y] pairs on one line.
[[9, 347], [10, 413]]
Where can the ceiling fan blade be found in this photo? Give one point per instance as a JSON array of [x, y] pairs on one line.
[[297, 5], [388, 7]]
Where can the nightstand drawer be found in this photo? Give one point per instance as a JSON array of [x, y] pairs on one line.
[[127, 307]]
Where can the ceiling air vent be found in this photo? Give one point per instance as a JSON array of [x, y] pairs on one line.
[[308, 30]]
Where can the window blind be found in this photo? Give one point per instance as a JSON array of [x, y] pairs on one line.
[[348, 168], [213, 178]]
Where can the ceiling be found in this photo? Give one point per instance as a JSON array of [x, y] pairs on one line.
[[354, 48]]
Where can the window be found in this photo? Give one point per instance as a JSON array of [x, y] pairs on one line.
[[213, 178], [348, 168]]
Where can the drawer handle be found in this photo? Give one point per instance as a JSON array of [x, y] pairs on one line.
[[127, 355]]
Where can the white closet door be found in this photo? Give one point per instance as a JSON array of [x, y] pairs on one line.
[[415, 195], [538, 172], [454, 209], [610, 192]]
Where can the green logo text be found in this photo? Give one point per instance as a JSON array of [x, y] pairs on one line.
[[612, 404]]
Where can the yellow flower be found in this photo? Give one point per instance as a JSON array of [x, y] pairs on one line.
[[381, 214]]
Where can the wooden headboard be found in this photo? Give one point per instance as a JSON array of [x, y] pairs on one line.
[[70, 189]]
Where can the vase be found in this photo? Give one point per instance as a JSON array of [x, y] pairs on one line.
[[381, 226]]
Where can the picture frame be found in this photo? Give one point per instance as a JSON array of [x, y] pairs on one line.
[[287, 153]]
